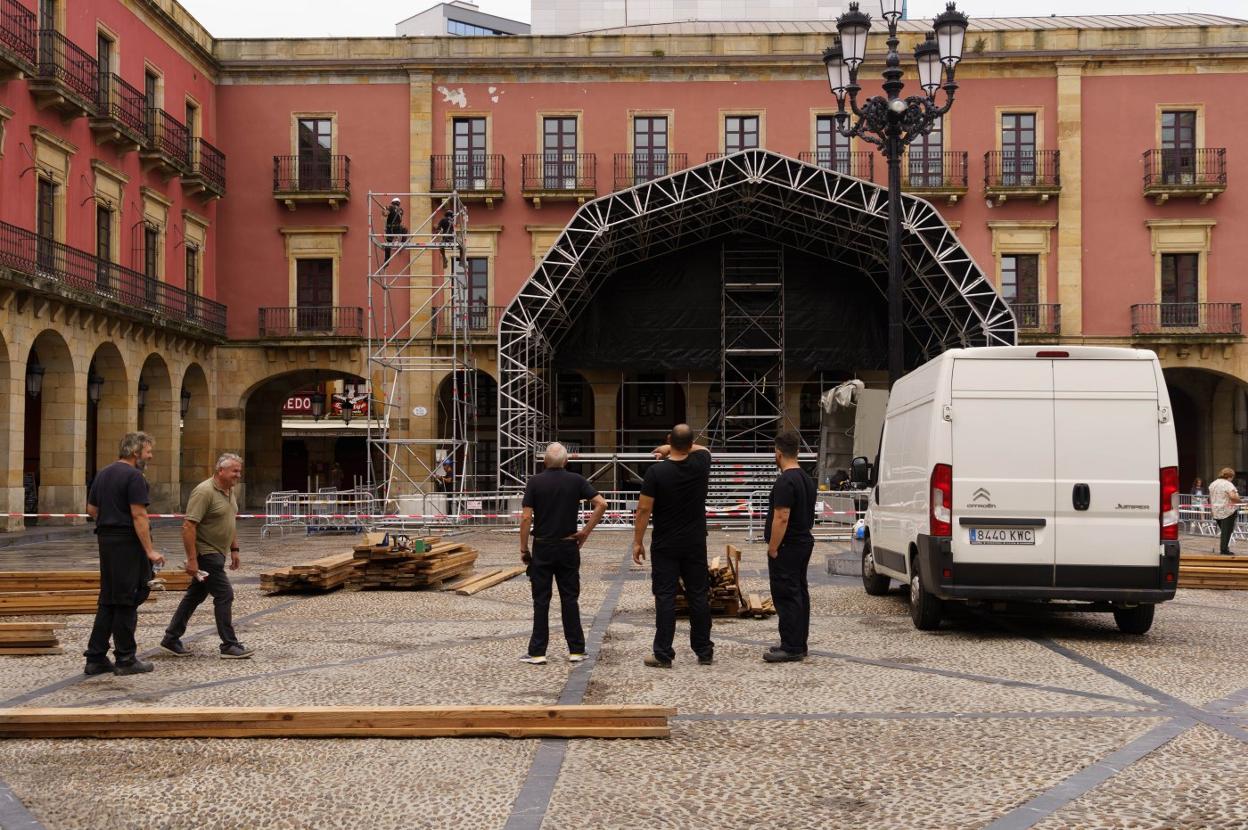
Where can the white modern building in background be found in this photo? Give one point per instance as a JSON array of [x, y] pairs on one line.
[[558, 17], [460, 18]]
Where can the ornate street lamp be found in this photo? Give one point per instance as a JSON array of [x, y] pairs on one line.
[[95, 387], [143, 387], [318, 405], [891, 122], [34, 376], [186, 402]]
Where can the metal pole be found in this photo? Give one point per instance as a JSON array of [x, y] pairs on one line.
[[892, 152]]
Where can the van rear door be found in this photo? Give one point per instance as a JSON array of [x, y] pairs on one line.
[[1003, 469], [1107, 482]]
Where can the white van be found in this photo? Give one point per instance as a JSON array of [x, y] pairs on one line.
[[1028, 473]]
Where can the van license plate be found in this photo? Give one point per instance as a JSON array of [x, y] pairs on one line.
[[1003, 536]]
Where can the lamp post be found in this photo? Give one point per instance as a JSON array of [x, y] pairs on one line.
[[318, 405], [34, 376], [95, 387], [143, 387], [185, 406], [890, 121]]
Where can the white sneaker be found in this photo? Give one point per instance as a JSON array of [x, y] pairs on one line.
[[576, 658], [540, 660]]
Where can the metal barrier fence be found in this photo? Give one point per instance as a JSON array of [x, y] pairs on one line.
[[1196, 518], [327, 511], [836, 513]]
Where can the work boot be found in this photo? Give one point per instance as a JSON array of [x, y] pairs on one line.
[[656, 662], [237, 651], [93, 668], [135, 666], [775, 649], [783, 656], [708, 660], [174, 646]]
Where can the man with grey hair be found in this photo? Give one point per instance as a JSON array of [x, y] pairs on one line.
[[118, 503], [552, 503], [209, 531]]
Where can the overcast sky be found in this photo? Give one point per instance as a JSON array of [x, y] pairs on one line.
[[321, 18]]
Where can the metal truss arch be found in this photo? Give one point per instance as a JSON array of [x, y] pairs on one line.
[[949, 302]]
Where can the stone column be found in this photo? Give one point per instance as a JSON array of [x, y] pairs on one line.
[[12, 442], [1070, 203], [262, 464], [606, 423], [62, 449]]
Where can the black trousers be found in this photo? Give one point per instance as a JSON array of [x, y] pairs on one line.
[[558, 562], [1227, 528], [687, 565], [124, 573], [790, 593], [217, 584]]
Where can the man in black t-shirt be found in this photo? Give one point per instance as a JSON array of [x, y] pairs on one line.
[[118, 502], [790, 516], [674, 490], [552, 505]]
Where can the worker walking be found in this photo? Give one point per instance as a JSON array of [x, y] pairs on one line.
[[118, 503], [209, 533], [674, 490], [790, 517], [551, 507]]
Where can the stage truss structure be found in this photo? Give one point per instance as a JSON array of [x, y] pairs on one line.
[[948, 300]]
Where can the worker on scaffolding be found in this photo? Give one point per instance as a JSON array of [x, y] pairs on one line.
[[396, 231], [444, 236]]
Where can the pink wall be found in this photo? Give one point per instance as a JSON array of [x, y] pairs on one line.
[[136, 43], [372, 130]]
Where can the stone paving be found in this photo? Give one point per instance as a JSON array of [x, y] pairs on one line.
[[994, 721]]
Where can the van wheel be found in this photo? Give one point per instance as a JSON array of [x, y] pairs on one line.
[[875, 584], [924, 607], [1135, 620]]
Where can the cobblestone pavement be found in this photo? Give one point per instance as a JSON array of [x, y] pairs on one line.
[[994, 721]]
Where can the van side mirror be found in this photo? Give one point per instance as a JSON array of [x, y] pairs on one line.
[[860, 472]]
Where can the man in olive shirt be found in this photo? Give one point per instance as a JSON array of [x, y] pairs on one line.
[[208, 533]]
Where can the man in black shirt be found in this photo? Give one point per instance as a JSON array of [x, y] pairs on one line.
[[552, 504], [674, 490], [118, 502], [790, 516]]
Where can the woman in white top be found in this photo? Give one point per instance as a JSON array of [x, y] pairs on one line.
[[1224, 503]]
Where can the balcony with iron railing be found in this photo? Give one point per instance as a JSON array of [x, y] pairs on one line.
[[67, 78], [1037, 320], [50, 268], [312, 180], [1186, 321], [207, 176], [120, 114], [19, 40], [480, 322], [316, 322], [935, 173], [168, 146], [1185, 173], [475, 176], [856, 163], [558, 176], [632, 169], [1030, 174]]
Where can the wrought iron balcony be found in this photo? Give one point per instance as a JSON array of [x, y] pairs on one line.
[[632, 169], [1038, 318], [67, 78], [168, 147], [207, 176], [856, 163], [49, 267], [1034, 174], [554, 176], [324, 180], [1185, 320], [480, 322], [1193, 173], [311, 321], [935, 173], [19, 40], [472, 175], [120, 114]]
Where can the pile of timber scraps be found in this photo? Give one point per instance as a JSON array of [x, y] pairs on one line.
[[727, 599], [1213, 571], [25, 593], [22, 638], [584, 721], [404, 565], [469, 585], [324, 574]]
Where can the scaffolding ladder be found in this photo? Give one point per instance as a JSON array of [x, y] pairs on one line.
[[751, 347]]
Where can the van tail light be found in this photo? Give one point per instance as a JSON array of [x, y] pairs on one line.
[[942, 500], [1169, 504]]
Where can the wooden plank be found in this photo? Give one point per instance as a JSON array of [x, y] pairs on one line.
[[462, 581], [20, 652], [491, 581]]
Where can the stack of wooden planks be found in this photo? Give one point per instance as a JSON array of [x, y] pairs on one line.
[[325, 574], [727, 599], [25, 593], [586, 721], [420, 566], [21, 638], [1213, 571], [466, 586]]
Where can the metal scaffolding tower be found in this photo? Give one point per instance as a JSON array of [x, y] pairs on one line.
[[418, 335], [751, 347]]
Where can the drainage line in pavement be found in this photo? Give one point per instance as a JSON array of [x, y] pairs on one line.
[[801, 716]]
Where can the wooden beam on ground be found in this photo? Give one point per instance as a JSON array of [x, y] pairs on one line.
[[491, 580], [587, 721]]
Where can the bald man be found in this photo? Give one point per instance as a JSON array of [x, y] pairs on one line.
[[552, 505]]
